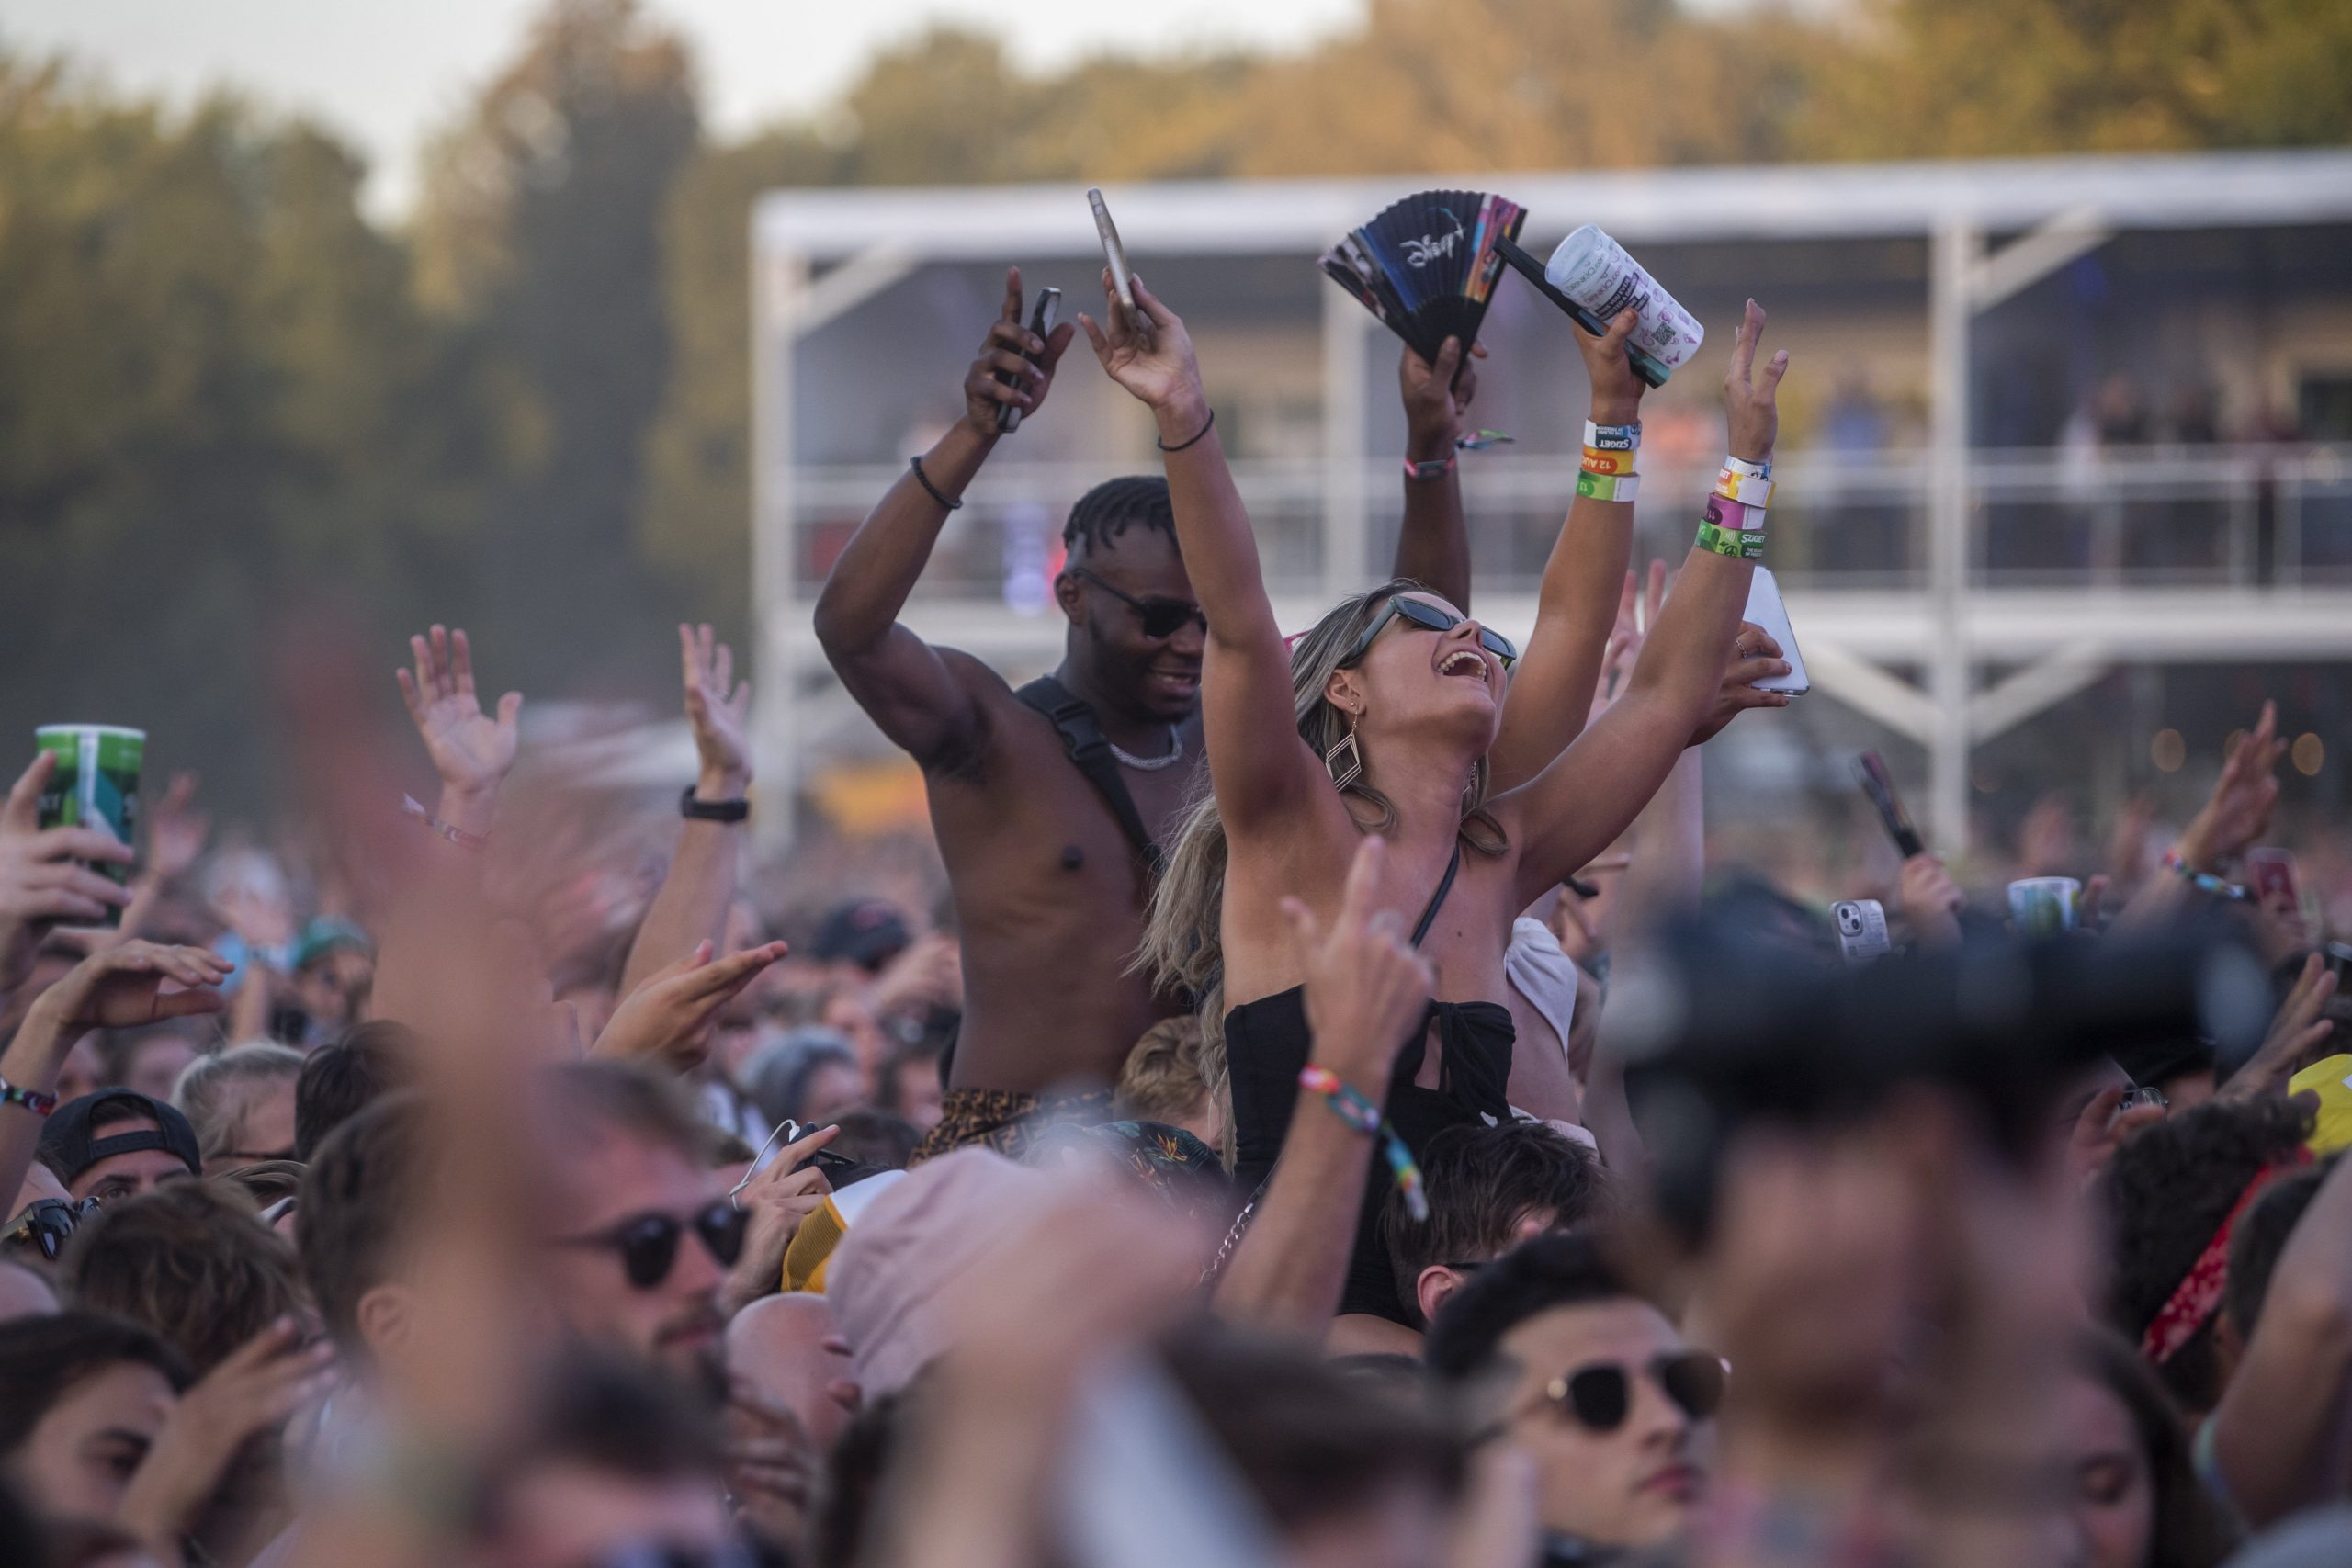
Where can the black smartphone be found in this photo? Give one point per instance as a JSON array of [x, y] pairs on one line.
[[1870, 771], [1041, 326]]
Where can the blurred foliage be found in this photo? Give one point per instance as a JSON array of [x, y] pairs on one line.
[[224, 394]]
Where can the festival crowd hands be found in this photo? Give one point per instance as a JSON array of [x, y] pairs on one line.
[[1900, 1295]]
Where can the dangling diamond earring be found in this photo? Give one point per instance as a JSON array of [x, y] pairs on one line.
[[1344, 760]]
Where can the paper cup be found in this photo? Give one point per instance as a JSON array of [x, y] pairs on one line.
[[96, 784], [2044, 906]]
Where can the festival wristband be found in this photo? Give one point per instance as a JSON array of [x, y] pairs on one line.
[[1747, 483], [1726, 532], [1600, 462], [32, 1100], [1361, 1114], [1612, 437], [1606, 486]]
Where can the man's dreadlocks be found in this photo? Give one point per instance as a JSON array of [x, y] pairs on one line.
[[1112, 507]]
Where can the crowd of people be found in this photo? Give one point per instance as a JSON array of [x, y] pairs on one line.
[[1333, 1120]]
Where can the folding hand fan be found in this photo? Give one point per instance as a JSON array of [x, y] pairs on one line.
[[1427, 265]]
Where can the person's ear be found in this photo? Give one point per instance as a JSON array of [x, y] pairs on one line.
[[1430, 1291], [1069, 593], [1345, 691], [386, 1315]]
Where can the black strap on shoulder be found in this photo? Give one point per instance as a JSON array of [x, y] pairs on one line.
[[1437, 900], [1090, 753]]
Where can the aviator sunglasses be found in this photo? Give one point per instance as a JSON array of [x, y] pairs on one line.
[[1161, 617], [648, 1243], [1429, 618], [1600, 1395]]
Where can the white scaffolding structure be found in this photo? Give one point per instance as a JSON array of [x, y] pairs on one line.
[[1992, 230]]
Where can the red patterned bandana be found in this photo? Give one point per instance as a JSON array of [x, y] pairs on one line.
[[2192, 1302]]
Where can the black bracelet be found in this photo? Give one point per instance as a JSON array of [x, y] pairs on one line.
[[694, 810], [923, 480], [1194, 442]]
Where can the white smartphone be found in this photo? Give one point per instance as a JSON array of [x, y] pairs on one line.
[[1766, 609], [1115, 254]]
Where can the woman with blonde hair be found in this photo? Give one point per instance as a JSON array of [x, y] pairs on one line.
[[1387, 717]]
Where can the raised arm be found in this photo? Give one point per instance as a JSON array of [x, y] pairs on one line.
[[911, 690], [1256, 758], [1433, 546], [1586, 798], [691, 907], [1550, 691]]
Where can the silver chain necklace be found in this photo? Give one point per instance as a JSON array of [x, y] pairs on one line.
[[1151, 764]]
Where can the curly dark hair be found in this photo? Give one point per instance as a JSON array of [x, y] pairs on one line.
[[2163, 1194]]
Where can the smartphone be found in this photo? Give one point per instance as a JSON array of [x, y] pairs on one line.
[[1870, 771], [1765, 608], [2271, 874], [839, 1169], [1115, 254], [1861, 929], [1041, 323]]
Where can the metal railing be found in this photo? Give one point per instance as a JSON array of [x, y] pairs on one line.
[[2221, 515]]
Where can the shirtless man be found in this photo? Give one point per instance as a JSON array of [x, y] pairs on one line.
[[1049, 887]]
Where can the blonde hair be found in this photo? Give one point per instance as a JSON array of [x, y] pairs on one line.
[[1182, 946]]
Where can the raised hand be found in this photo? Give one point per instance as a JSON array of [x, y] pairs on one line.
[[1617, 388], [1010, 343], [717, 707], [2299, 1030], [1750, 406], [668, 1019], [2238, 811], [121, 987], [1367, 989], [1756, 656], [1156, 365], [177, 830], [1437, 396], [260, 1384], [39, 883], [1931, 901], [471, 751]]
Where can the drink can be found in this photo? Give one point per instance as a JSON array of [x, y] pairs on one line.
[[95, 784], [2044, 906], [1596, 271]]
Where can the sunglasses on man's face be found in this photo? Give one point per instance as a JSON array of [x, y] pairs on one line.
[[1600, 1395], [648, 1243], [1429, 617], [1161, 617]]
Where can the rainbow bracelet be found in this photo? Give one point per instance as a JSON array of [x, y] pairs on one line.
[[32, 1100], [1364, 1116], [2204, 882]]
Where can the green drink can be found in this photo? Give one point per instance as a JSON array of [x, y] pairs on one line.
[[96, 784]]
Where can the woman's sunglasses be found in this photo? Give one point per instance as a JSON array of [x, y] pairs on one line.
[[1429, 618], [1601, 1394], [1161, 617], [648, 1243]]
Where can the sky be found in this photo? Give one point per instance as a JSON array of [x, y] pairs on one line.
[[382, 74]]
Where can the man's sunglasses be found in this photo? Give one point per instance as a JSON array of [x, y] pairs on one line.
[[1601, 1394], [1161, 617], [47, 1225], [1429, 617], [648, 1243]]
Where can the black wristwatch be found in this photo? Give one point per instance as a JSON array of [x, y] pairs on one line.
[[694, 810]]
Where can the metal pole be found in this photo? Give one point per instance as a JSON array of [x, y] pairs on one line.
[[1955, 247], [778, 281], [1344, 515]]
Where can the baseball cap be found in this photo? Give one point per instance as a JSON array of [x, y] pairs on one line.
[[327, 934], [2331, 1079], [69, 1146], [867, 932]]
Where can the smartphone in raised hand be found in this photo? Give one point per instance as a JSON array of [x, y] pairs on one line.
[[1041, 326], [1765, 609], [1114, 256]]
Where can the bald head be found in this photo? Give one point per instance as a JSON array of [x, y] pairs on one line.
[[791, 1349]]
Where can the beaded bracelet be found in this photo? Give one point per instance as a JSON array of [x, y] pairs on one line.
[[32, 1100], [2204, 882], [1364, 1116], [458, 836]]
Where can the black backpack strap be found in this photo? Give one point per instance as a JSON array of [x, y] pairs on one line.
[[1090, 753]]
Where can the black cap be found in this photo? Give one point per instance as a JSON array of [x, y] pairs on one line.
[[69, 1148], [867, 932]]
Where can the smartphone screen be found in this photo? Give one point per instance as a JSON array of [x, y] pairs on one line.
[[2271, 872], [1041, 325], [1765, 608]]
